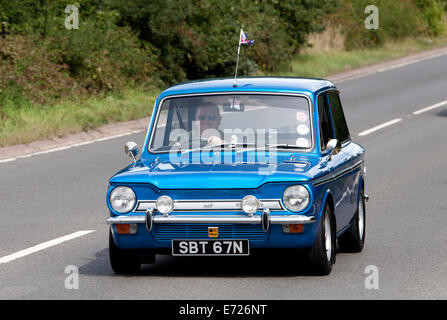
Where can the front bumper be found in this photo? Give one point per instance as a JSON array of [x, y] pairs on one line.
[[157, 231], [231, 219]]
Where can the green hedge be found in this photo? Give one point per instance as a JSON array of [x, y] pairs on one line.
[[121, 44], [198, 39], [434, 15], [397, 20], [42, 61]]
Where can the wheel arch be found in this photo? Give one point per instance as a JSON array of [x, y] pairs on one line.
[[361, 187], [329, 200]]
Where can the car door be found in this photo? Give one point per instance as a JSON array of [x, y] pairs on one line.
[[345, 204], [337, 182]]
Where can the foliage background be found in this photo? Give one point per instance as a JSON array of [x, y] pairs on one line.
[[122, 45]]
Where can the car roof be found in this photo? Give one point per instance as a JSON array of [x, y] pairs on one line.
[[250, 84]]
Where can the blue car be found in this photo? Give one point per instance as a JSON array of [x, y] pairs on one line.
[[229, 169]]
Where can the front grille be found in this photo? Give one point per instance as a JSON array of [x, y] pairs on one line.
[[168, 232]]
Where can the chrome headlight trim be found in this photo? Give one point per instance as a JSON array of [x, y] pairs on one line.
[[122, 199], [250, 204], [296, 198], [164, 205]]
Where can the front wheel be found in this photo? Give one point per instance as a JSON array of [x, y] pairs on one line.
[[321, 256], [122, 261]]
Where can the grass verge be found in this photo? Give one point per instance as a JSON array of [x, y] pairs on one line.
[[34, 122], [322, 64]]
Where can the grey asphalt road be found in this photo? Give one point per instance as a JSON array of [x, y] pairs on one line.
[[48, 196]]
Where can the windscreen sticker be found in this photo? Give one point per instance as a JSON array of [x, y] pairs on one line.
[[303, 143], [301, 116], [302, 129]]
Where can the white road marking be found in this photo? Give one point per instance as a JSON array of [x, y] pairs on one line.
[[404, 64], [437, 105], [399, 65], [381, 126], [43, 246], [71, 146]]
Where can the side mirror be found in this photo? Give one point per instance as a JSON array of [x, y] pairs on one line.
[[131, 150], [331, 145]]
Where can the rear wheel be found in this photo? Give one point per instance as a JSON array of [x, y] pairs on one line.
[[353, 239], [321, 256], [122, 261]]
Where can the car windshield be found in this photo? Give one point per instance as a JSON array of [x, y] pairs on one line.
[[250, 121]]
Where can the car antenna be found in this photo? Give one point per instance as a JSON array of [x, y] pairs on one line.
[[242, 42]]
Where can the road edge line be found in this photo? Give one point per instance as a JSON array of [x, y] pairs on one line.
[[379, 127], [43, 246]]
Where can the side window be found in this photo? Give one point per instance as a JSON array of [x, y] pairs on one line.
[[338, 117], [172, 119], [324, 121]]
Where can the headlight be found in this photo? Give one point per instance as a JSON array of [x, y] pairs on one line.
[[165, 205], [122, 199], [249, 204], [296, 198]]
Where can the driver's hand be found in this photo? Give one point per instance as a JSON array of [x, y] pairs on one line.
[[214, 141]]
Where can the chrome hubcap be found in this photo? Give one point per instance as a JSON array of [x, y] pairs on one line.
[[328, 237]]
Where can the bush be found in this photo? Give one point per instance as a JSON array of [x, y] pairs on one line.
[[174, 39], [433, 11], [397, 20], [102, 56], [44, 61], [119, 43], [199, 38], [29, 71]]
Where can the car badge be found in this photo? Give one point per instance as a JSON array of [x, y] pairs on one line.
[[213, 232], [207, 206]]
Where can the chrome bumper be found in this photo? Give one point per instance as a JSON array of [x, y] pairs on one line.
[[230, 219]]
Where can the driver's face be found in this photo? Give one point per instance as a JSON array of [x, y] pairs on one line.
[[209, 118]]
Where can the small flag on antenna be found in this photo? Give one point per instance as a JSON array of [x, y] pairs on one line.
[[243, 40]]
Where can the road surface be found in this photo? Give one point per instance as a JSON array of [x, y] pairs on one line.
[[53, 211]]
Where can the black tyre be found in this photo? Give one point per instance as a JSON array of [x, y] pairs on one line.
[[122, 261], [321, 256], [353, 239]]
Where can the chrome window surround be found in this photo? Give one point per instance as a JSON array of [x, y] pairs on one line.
[[209, 205], [332, 90], [342, 143], [309, 100]]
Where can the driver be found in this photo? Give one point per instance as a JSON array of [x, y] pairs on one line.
[[208, 120]]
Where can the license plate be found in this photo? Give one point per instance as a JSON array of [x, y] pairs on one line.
[[219, 247]]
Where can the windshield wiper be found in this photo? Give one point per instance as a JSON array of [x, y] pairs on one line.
[[231, 145], [280, 145]]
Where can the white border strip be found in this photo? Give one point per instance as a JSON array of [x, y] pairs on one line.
[[381, 126], [437, 105], [43, 246]]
